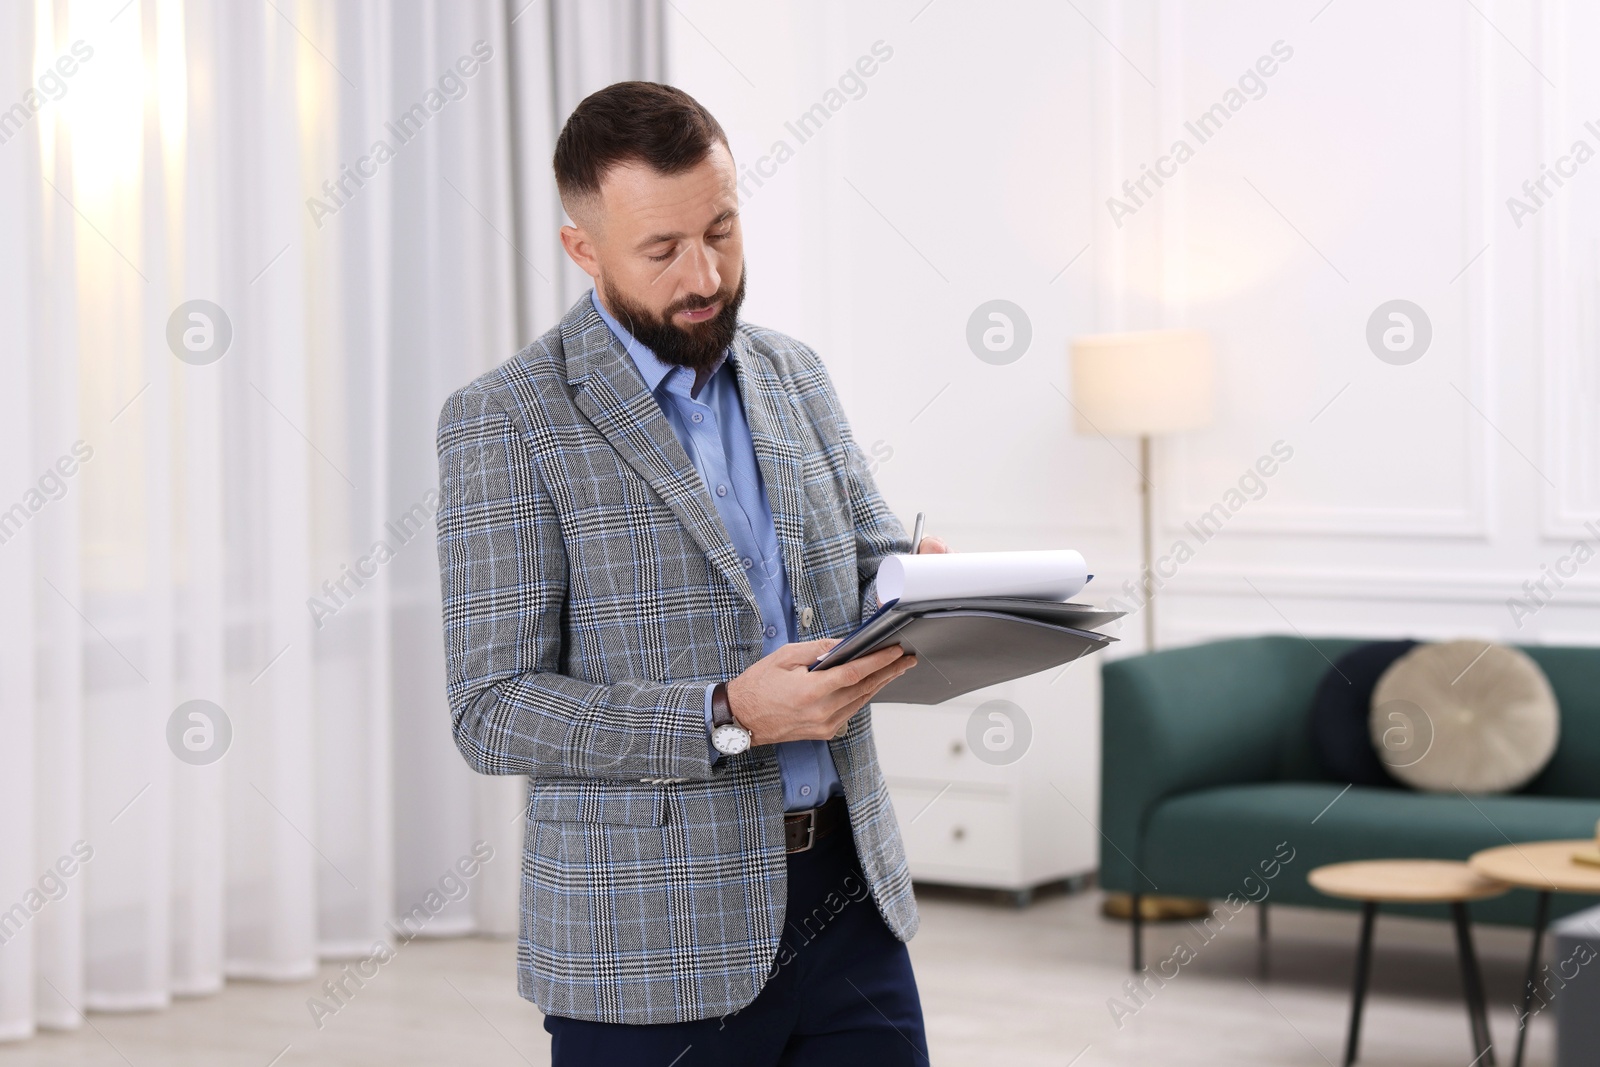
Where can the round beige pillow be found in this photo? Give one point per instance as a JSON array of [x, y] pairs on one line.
[[1464, 715]]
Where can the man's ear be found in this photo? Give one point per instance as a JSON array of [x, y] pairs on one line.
[[580, 246]]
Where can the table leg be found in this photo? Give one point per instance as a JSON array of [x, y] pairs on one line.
[[1136, 924], [1261, 939], [1369, 915], [1472, 986], [1541, 914]]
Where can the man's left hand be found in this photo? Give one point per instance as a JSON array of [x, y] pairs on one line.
[[932, 545]]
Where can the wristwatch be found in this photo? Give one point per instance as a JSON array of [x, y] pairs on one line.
[[727, 736]]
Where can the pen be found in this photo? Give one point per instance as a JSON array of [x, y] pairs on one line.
[[916, 539]]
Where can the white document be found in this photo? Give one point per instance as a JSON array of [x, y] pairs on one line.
[[1057, 574]]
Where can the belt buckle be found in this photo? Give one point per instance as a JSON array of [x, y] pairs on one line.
[[811, 832]]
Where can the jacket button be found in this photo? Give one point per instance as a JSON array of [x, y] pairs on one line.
[[805, 618]]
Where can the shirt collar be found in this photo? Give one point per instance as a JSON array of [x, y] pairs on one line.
[[651, 368]]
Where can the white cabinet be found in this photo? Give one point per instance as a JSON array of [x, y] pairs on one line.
[[993, 798]]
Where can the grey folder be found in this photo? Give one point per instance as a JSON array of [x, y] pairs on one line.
[[974, 642]]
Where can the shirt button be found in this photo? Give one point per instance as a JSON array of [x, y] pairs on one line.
[[805, 790], [805, 618], [748, 562], [722, 490], [771, 631], [698, 417]]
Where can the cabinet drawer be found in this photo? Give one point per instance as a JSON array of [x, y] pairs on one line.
[[956, 830], [929, 743]]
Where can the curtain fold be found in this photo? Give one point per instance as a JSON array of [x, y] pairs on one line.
[[251, 247], [19, 547], [595, 43], [197, 901]]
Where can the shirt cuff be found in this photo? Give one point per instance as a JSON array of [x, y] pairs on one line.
[[715, 755]]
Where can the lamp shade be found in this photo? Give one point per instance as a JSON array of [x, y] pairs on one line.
[[1150, 382]]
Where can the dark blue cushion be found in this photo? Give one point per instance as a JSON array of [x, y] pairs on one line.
[[1340, 711]]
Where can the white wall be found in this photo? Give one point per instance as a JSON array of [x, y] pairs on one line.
[[1375, 165]]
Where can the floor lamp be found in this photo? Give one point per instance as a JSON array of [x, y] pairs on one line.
[[1143, 384]]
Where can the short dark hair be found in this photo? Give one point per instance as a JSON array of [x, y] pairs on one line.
[[642, 122]]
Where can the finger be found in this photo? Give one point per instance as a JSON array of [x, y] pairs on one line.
[[803, 653], [891, 672], [861, 668], [932, 545], [856, 695], [842, 715], [854, 671]]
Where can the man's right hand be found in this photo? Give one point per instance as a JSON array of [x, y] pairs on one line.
[[778, 699]]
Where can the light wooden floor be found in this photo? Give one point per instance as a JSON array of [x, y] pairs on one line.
[[999, 986]]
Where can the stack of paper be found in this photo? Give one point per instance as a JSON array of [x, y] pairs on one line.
[[1053, 575], [976, 619]]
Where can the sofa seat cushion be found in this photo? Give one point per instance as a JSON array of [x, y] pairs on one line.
[[1207, 843]]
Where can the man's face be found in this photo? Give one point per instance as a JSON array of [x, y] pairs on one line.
[[667, 255]]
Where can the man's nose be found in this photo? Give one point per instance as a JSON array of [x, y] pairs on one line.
[[700, 274]]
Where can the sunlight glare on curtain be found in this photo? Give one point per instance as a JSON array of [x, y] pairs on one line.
[[104, 116]]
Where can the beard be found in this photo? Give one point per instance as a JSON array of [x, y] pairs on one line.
[[697, 346]]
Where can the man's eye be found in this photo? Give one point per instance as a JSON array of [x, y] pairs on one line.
[[723, 236], [662, 258]]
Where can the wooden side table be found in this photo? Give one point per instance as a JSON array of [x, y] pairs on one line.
[[1545, 867], [1375, 882]]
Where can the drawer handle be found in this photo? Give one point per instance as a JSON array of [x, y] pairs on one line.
[[957, 747], [958, 833]]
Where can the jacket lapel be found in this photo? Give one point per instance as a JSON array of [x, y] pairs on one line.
[[610, 392], [771, 416]]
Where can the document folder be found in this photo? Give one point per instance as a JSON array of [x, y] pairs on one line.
[[973, 642]]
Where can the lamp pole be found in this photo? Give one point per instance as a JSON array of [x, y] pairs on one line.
[[1147, 576], [1143, 383]]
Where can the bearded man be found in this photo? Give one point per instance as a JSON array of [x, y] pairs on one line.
[[654, 519]]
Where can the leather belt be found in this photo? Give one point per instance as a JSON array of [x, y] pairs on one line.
[[802, 829]]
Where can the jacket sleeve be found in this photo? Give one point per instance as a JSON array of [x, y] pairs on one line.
[[503, 571]]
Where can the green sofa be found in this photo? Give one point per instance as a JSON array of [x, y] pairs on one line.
[[1207, 768]]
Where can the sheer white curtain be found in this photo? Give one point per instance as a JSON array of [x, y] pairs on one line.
[[249, 248]]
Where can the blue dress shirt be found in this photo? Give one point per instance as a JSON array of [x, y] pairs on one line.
[[711, 426]]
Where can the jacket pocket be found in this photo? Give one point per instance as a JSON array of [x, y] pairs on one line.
[[603, 802]]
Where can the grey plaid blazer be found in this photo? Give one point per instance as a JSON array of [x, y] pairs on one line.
[[590, 593]]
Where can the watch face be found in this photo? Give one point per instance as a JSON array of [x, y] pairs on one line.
[[730, 740]]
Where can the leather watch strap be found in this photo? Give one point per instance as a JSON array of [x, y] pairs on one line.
[[721, 710]]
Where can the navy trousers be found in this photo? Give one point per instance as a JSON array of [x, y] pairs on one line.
[[841, 992]]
